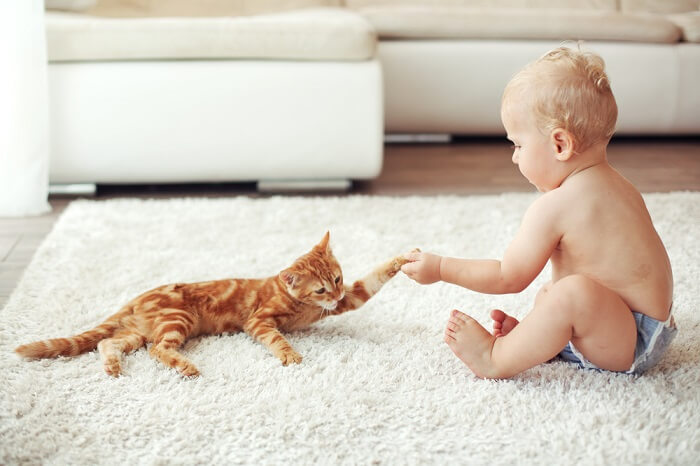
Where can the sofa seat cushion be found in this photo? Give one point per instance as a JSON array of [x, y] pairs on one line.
[[658, 6], [420, 22], [308, 34]]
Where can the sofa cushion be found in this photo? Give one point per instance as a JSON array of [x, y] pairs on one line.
[[610, 5], [151, 8], [420, 22], [658, 6], [309, 34]]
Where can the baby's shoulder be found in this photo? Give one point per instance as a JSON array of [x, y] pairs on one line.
[[547, 210], [551, 202]]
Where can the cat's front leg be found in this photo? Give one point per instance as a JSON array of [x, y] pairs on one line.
[[362, 290], [265, 331]]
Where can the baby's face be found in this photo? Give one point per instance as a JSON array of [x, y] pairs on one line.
[[532, 150]]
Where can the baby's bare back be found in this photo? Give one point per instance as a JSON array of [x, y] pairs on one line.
[[609, 236]]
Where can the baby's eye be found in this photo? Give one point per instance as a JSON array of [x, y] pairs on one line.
[[320, 291], [337, 279]]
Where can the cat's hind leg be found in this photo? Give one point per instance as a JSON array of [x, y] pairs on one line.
[[111, 350], [170, 333]]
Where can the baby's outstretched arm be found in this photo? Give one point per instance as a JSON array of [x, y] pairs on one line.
[[482, 275], [523, 260]]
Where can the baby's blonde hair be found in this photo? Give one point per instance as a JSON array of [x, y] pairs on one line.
[[567, 89]]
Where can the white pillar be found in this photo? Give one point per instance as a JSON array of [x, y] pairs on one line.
[[24, 112]]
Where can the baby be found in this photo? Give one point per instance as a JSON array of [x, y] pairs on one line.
[[608, 305]]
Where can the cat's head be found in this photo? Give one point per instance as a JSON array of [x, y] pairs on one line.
[[316, 277]]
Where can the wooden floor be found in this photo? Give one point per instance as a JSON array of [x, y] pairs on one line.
[[467, 166]]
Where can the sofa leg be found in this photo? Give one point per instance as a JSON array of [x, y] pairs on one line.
[[277, 186], [73, 189]]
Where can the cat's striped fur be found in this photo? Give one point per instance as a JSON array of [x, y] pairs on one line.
[[310, 289]]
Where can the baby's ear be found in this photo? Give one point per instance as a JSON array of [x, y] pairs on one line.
[[563, 142], [290, 278]]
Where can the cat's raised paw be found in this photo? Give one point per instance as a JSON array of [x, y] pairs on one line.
[[290, 357], [398, 262]]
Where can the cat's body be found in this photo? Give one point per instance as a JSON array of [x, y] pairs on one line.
[[309, 290]]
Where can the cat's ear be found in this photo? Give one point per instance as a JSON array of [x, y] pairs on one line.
[[290, 278], [324, 245]]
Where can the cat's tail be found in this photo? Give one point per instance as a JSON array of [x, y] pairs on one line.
[[75, 345]]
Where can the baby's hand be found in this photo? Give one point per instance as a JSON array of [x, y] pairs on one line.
[[398, 261], [423, 267]]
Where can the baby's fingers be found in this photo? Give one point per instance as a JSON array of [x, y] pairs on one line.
[[413, 255], [409, 268]]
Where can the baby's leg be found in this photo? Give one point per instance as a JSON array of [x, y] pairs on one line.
[[574, 309], [503, 323]]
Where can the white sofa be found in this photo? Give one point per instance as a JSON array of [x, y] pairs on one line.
[[157, 91], [446, 63], [288, 97]]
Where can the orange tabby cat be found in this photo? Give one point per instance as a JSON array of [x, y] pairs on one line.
[[309, 290]]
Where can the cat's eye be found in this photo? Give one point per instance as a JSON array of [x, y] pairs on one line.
[[337, 279], [320, 291]]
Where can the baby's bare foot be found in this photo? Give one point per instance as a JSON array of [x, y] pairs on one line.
[[471, 343], [502, 323]]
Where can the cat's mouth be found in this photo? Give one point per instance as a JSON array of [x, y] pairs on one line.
[[330, 306]]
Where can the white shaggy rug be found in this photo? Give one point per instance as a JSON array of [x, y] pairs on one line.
[[376, 386]]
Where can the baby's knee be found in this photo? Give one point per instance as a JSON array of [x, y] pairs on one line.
[[573, 293]]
